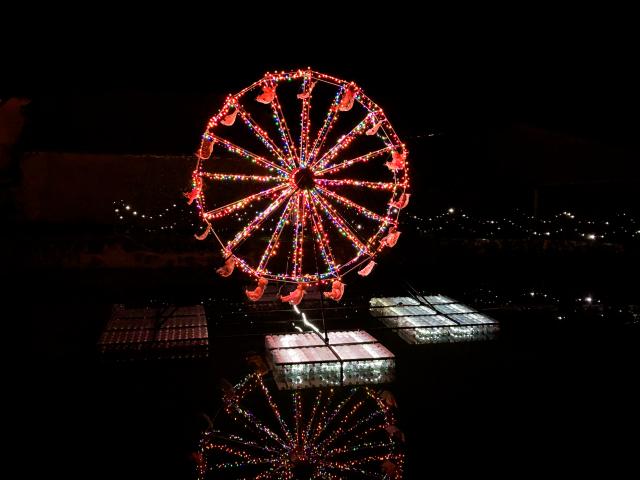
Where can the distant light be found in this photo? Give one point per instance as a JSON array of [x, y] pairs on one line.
[[135, 213], [128, 207], [591, 236], [532, 294], [451, 210], [588, 299]]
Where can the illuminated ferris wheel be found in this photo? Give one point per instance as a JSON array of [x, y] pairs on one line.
[[328, 434], [300, 178]]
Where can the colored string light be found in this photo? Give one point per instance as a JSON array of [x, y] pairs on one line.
[[263, 136], [356, 183], [240, 204], [347, 163], [343, 142], [359, 208], [344, 433], [272, 246], [300, 170]]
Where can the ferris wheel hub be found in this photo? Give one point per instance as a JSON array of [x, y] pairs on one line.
[[303, 178]]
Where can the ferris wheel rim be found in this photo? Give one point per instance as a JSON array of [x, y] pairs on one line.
[[306, 154]]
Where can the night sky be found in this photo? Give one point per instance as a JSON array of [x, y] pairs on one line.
[[493, 104], [506, 101]]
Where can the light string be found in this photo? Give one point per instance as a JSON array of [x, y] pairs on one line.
[[335, 441], [310, 206]]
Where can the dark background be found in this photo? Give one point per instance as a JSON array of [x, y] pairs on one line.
[[544, 98], [515, 100]]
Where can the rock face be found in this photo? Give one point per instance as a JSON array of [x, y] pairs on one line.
[[11, 123], [63, 187]]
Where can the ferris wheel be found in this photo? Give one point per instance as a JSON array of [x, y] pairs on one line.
[[327, 434], [300, 178]]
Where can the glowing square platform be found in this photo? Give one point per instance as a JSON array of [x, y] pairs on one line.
[[154, 332], [303, 360], [433, 319]]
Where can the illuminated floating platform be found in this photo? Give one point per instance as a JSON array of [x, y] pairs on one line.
[[154, 333], [303, 360], [433, 319]]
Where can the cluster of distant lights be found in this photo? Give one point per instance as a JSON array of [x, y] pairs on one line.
[[486, 296], [568, 306], [454, 221], [588, 299], [165, 219], [425, 135]]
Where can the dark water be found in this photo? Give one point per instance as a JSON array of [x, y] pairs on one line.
[[546, 397]]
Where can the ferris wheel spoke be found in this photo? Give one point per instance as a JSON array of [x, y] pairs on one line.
[[320, 236], [252, 423], [264, 475], [348, 163], [236, 452], [297, 414], [238, 464], [357, 447], [334, 414], [350, 465], [341, 224], [316, 404], [262, 135], [364, 421], [285, 133], [329, 120], [247, 231], [343, 421], [326, 447], [356, 183], [237, 439], [359, 208], [305, 122], [298, 238], [247, 154], [275, 237], [242, 203], [274, 409], [236, 177], [323, 414], [343, 142]]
